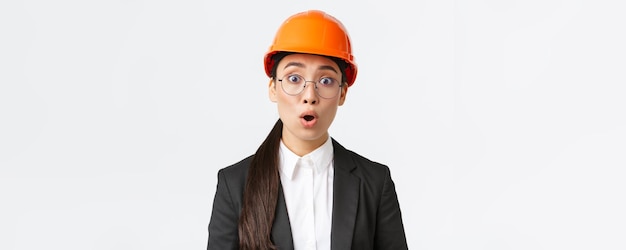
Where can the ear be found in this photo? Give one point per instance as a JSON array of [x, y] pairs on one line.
[[272, 90], [344, 92]]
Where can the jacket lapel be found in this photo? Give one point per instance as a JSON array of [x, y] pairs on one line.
[[281, 229], [345, 199], [345, 203]]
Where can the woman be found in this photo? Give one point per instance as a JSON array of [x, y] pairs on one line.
[[302, 189]]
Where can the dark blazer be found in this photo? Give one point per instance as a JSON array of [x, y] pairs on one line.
[[366, 213]]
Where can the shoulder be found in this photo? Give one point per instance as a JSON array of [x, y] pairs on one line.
[[360, 163], [364, 161], [237, 171], [369, 167]]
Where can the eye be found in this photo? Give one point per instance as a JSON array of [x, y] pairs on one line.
[[295, 79], [327, 81]]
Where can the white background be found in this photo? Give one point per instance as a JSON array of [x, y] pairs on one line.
[[503, 122]]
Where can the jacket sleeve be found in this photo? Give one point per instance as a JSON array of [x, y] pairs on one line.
[[223, 232], [389, 228]]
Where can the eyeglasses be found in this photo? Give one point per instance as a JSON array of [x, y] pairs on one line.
[[326, 87]]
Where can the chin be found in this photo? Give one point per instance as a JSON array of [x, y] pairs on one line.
[[297, 131], [309, 135]]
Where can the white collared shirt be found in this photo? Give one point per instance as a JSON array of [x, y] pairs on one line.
[[307, 183]]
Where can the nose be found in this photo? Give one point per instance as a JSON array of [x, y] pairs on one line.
[[309, 95]]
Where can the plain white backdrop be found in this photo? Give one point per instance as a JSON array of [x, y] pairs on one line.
[[503, 122]]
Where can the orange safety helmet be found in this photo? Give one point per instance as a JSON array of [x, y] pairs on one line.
[[313, 32]]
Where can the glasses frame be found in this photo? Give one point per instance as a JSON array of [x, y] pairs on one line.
[[341, 84]]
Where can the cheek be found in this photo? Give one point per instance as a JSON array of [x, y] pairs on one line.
[[285, 103], [329, 112], [332, 113]]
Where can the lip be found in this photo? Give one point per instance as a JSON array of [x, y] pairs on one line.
[[308, 114]]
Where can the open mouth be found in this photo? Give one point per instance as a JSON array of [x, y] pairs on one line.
[[308, 118]]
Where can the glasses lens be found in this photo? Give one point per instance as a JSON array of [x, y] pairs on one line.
[[294, 84], [327, 87]]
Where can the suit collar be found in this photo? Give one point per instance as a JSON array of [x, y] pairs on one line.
[[281, 229], [345, 198], [342, 157], [345, 203]]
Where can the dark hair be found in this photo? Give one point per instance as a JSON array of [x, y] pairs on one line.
[[260, 194]]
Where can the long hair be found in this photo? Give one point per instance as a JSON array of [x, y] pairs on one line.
[[260, 194]]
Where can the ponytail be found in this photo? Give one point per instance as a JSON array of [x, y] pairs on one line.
[[260, 194]]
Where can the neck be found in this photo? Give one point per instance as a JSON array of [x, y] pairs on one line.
[[303, 147]]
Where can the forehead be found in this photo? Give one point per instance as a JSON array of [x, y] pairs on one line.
[[307, 60]]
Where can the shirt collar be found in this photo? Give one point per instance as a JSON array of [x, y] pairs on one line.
[[321, 158]]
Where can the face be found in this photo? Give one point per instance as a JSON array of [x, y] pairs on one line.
[[306, 116]]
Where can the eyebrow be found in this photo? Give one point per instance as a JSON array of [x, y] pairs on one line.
[[301, 65], [328, 68]]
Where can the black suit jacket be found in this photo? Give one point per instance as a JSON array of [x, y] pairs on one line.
[[366, 212]]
